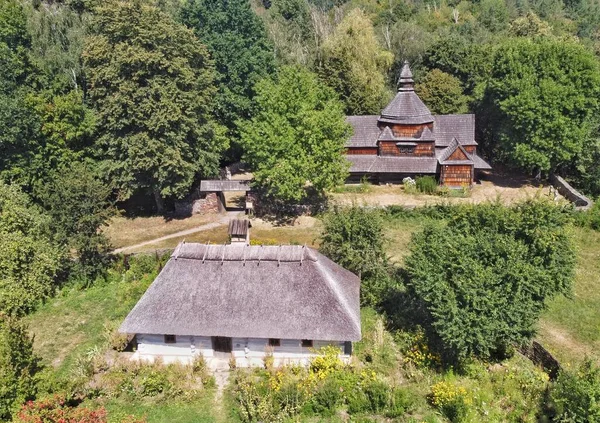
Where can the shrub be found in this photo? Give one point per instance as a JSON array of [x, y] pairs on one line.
[[358, 402], [490, 269], [353, 237], [18, 366], [401, 401], [154, 383], [327, 397], [426, 184], [116, 340], [378, 394], [576, 395], [59, 410], [451, 400]]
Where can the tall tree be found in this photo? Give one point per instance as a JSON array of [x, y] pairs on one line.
[[297, 136], [354, 64], [79, 206], [543, 98], [29, 260], [152, 84], [237, 42], [354, 238], [442, 93]]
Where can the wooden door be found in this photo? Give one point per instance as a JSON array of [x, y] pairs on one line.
[[222, 344]]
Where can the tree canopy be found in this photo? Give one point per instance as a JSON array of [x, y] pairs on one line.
[[543, 96], [237, 42], [29, 260], [354, 65], [296, 139], [354, 238], [491, 270], [442, 93], [151, 83]]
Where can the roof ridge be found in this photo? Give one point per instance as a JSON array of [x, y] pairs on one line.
[[339, 295]]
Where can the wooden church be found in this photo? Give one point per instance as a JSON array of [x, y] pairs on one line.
[[407, 140]]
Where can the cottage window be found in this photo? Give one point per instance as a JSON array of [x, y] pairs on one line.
[[170, 339], [273, 342], [405, 149], [307, 343]]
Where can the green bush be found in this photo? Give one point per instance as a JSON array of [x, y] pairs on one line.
[[427, 184], [354, 238], [327, 398], [589, 218], [490, 269], [576, 395], [18, 366], [378, 394], [358, 402], [451, 400], [401, 401], [154, 383]]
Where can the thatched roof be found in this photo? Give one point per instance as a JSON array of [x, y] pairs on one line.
[[289, 292]]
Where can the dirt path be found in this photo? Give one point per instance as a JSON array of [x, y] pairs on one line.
[[559, 341], [221, 379], [221, 220]]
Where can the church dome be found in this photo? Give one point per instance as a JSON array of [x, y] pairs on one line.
[[406, 107]]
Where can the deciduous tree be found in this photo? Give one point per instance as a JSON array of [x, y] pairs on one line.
[[18, 366], [238, 43], [353, 237], [297, 136], [152, 84], [442, 93], [484, 278], [29, 261], [355, 65], [78, 203], [542, 98]]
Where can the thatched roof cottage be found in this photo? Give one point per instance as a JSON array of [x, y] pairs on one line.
[[242, 300]]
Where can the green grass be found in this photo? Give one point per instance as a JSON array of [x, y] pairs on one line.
[[74, 322], [196, 411], [570, 328]]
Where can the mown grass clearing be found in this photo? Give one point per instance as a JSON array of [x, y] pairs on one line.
[[124, 231], [570, 328]]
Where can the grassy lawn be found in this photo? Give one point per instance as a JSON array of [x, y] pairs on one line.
[[570, 328], [77, 320], [200, 410], [124, 231]]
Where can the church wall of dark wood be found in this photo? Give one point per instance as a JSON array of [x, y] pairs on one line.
[[421, 149]]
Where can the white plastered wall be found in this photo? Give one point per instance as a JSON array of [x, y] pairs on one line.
[[248, 352]]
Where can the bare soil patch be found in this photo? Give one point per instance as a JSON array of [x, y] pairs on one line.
[[507, 188]]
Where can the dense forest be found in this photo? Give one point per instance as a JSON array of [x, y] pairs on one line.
[[150, 96], [128, 104]]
